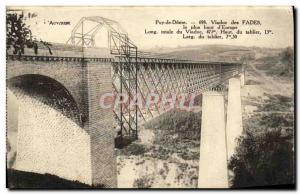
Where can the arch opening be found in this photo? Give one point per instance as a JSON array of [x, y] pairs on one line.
[[48, 91]]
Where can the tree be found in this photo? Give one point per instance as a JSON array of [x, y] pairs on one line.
[[287, 58], [19, 35], [263, 160]]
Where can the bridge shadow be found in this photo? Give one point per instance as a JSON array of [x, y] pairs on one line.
[[122, 142], [28, 180]]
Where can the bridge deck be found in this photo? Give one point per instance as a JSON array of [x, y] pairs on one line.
[[69, 52]]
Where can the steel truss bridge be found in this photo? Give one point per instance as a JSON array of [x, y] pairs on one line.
[[136, 72]]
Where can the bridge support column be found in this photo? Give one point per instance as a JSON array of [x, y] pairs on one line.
[[242, 77], [213, 159], [234, 126], [103, 158]]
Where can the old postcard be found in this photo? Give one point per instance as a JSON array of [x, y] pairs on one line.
[[150, 97]]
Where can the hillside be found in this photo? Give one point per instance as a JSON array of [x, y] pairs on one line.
[[217, 52]]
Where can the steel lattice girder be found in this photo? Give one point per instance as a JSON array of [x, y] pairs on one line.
[[143, 72], [164, 78]]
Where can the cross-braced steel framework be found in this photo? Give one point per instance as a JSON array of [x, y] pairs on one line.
[[124, 67], [136, 72]]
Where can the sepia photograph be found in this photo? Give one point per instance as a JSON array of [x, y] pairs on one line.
[[150, 97]]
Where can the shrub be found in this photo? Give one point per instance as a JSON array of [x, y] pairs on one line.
[[143, 182], [262, 160]]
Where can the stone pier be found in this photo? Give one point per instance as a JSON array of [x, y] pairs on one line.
[[234, 126], [213, 171], [242, 79]]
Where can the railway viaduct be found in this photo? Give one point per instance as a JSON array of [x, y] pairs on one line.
[[79, 76]]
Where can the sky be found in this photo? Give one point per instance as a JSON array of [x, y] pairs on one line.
[[136, 19]]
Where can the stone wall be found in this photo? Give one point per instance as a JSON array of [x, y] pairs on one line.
[[84, 153]]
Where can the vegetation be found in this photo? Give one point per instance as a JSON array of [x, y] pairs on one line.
[[176, 132], [263, 160], [265, 154], [287, 58], [133, 149], [143, 182], [281, 64], [19, 35], [186, 124], [277, 103]]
